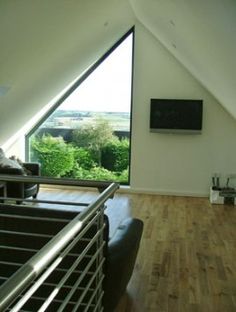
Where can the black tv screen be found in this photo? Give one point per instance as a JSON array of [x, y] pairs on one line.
[[176, 116]]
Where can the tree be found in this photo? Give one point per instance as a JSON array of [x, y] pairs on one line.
[[93, 136]]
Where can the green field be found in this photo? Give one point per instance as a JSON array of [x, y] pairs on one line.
[[120, 121]]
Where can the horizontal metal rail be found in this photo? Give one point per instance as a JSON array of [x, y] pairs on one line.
[[52, 267], [43, 201], [100, 185], [20, 281]]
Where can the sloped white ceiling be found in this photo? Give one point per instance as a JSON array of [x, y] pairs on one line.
[[45, 45], [201, 34]]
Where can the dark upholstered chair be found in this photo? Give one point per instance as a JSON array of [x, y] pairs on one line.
[[121, 256], [19, 189]]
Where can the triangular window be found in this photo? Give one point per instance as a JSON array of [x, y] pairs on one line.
[[89, 129]]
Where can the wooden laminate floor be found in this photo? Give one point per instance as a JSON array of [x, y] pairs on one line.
[[187, 256]]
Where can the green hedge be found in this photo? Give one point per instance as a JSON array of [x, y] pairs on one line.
[[60, 159], [101, 174], [115, 155], [55, 156]]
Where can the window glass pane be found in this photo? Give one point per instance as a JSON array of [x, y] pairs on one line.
[[89, 133]]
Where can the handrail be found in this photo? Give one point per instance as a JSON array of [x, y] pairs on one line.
[[30, 270], [100, 185]]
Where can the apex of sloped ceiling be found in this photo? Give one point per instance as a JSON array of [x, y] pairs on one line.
[[201, 35]]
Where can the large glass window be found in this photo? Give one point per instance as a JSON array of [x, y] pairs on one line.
[[87, 135]]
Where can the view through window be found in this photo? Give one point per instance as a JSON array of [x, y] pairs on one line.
[[88, 135]]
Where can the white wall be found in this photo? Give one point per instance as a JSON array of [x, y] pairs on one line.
[[49, 43], [175, 164], [201, 35]]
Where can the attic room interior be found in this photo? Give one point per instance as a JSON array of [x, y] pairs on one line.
[[183, 252]]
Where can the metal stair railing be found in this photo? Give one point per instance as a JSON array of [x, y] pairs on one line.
[[57, 277]]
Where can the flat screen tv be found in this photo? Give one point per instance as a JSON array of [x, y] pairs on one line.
[[176, 116]]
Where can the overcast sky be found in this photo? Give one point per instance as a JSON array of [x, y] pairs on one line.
[[108, 88]]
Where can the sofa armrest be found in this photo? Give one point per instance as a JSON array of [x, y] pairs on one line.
[[34, 168], [121, 257]]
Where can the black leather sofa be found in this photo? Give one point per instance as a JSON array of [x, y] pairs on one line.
[[19, 189], [120, 250]]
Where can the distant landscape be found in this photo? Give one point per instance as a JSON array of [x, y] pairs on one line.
[[120, 121], [99, 151]]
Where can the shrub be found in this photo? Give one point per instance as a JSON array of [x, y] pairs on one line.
[[101, 174], [115, 155], [83, 162], [84, 158], [56, 157], [123, 177], [60, 159], [96, 173]]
